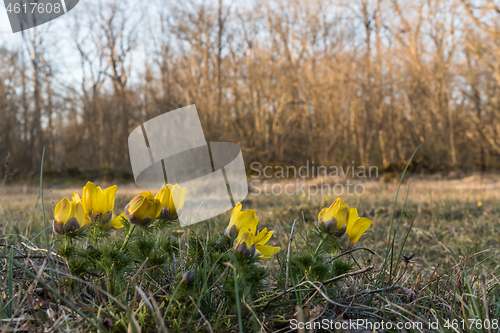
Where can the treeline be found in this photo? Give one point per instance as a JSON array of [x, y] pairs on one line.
[[289, 81]]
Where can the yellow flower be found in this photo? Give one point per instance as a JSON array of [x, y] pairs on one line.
[[266, 251], [345, 222], [245, 243], [479, 203], [240, 220], [250, 245], [68, 216], [335, 217], [356, 226], [172, 199], [143, 209], [98, 205]]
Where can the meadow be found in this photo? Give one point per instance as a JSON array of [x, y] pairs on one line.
[[331, 82], [429, 262]]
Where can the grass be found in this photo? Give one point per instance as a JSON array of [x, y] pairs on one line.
[[435, 265]]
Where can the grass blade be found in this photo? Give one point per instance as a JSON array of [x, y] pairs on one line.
[[10, 286], [382, 271], [396, 231], [55, 293]]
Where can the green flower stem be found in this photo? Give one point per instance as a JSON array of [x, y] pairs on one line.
[[319, 245], [171, 299], [130, 231], [238, 306]]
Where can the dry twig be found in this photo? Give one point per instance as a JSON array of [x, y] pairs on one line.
[[349, 252], [361, 271], [202, 316]]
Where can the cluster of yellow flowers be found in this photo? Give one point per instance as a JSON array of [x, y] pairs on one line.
[[249, 242], [145, 208], [95, 206], [344, 222]]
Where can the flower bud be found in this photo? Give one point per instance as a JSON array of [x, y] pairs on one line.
[[98, 206], [344, 241], [70, 225], [331, 224], [143, 209], [341, 231], [245, 250], [170, 243], [101, 218], [171, 199], [145, 222], [166, 214], [68, 217], [188, 277], [241, 220], [223, 242], [231, 231]]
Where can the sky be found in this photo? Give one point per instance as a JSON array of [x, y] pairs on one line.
[[55, 34], [5, 28], [59, 46]]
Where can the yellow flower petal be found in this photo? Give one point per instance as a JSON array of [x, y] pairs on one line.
[[245, 236], [240, 220], [109, 198], [145, 205], [358, 228], [353, 216], [79, 213], [234, 215], [267, 251], [172, 197], [62, 212], [247, 219], [263, 237], [155, 209], [90, 197], [117, 223], [342, 216], [144, 210], [136, 203], [330, 211], [322, 213], [178, 196], [164, 196], [75, 197]]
